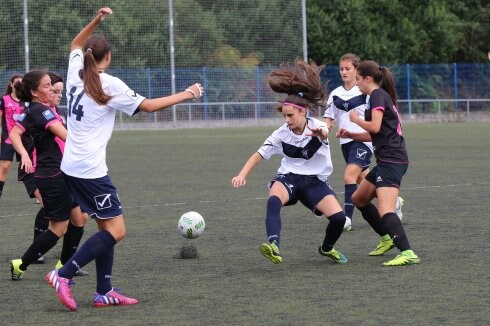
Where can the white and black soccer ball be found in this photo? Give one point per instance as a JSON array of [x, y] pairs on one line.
[[191, 225]]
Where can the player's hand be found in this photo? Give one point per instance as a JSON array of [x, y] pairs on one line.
[[342, 133], [103, 12], [26, 164], [238, 181], [318, 132], [196, 90], [353, 115]]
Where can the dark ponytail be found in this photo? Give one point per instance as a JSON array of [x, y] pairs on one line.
[[30, 82], [9, 89], [381, 76], [95, 50]]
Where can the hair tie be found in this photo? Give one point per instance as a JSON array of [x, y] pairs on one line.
[[89, 50], [301, 94], [381, 67]]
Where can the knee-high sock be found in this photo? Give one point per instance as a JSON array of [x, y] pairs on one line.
[[71, 240], [95, 246], [371, 215], [396, 231], [103, 266], [348, 206], [334, 230], [2, 183], [41, 224], [273, 219], [39, 247]]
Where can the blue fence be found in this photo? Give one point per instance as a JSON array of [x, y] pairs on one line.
[[232, 85]]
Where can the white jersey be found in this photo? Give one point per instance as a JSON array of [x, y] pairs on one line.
[[340, 102], [304, 155], [90, 125]]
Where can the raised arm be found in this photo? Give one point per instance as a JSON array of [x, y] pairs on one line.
[[156, 104], [81, 38]]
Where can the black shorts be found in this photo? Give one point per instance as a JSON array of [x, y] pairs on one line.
[[308, 189], [7, 152], [57, 199], [29, 183], [387, 174]]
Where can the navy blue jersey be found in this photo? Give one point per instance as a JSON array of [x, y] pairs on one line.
[[49, 149], [388, 143]]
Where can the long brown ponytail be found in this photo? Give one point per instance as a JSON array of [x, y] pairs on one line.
[[94, 50]]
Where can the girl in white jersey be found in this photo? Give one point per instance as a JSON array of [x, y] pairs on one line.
[[306, 162], [93, 99]]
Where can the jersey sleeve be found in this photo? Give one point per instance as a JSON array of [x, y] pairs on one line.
[[75, 64], [330, 108], [377, 101], [2, 104], [124, 98], [271, 146]]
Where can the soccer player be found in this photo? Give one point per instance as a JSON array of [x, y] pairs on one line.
[[48, 133], [93, 99], [10, 110], [357, 155], [306, 164], [383, 126]]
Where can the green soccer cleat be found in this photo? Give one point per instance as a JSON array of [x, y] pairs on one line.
[[17, 273], [407, 257], [271, 251], [383, 246], [333, 254]]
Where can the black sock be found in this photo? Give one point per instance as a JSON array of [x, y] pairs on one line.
[[348, 206], [41, 224], [1, 187], [396, 231], [71, 240], [334, 230], [371, 215], [38, 248]]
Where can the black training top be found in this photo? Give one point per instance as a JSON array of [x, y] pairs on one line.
[[388, 143]]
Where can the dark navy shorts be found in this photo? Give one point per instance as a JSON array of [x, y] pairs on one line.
[[357, 153], [308, 189], [57, 199], [387, 174], [7, 152], [97, 197]]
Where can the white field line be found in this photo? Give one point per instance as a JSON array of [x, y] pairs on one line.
[[263, 198]]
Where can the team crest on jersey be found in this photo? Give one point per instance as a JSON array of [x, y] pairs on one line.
[[21, 117], [132, 94], [48, 115]]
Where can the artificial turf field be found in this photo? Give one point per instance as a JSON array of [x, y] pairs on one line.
[[162, 174]]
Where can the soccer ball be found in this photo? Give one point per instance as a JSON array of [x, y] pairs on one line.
[[191, 225]]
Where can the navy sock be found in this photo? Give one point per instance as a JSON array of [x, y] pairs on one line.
[[371, 215], [103, 266], [95, 246], [396, 231], [334, 230], [348, 206], [71, 240], [39, 247], [273, 219], [41, 224]]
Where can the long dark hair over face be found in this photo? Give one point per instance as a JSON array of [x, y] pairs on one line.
[[301, 82], [382, 76]]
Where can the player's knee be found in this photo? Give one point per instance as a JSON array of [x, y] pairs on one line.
[[337, 218]]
